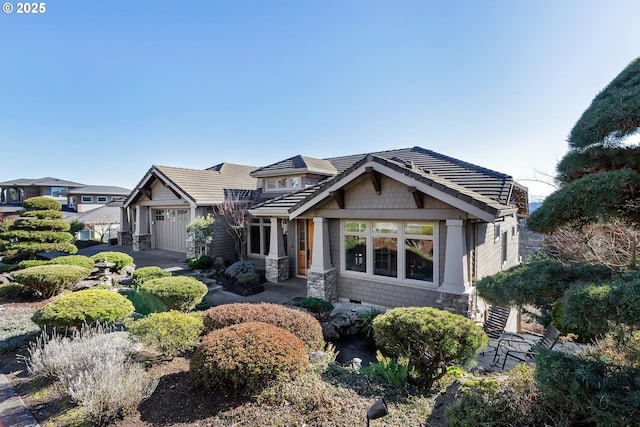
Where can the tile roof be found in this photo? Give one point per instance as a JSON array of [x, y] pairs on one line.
[[297, 164], [100, 189], [40, 182]]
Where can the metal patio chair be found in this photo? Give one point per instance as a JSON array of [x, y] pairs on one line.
[[496, 322], [525, 350]]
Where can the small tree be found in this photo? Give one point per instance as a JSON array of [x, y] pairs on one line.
[[102, 226], [238, 220], [200, 232], [40, 229]]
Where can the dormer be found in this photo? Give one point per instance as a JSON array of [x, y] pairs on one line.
[[293, 174]]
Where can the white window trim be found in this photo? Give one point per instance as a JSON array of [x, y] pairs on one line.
[[104, 199], [87, 199], [278, 187], [401, 279]]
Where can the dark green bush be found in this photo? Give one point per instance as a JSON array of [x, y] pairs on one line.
[[248, 357], [42, 203], [432, 339], [120, 259], [181, 293], [591, 388], [88, 306], [514, 401], [14, 292], [172, 332], [49, 280], [201, 263], [314, 305], [143, 274], [48, 214], [299, 323]]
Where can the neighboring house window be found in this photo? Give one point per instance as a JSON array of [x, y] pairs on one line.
[[102, 199], [283, 184], [56, 191], [87, 199], [260, 236], [113, 198], [383, 257]]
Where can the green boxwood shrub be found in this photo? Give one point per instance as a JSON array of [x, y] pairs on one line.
[[120, 259], [299, 323], [88, 306], [141, 275], [79, 260], [49, 280], [181, 293], [248, 357], [42, 203], [432, 339], [172, 332], [201, 262]]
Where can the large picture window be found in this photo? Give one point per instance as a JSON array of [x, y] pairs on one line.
[[373, 248], [260, 236]]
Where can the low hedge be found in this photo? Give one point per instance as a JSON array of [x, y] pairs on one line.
[[141, 275], [88, 306], [299, 323], [120, 259], [248, 357], [171, 332], [49, 280], [181, 293]]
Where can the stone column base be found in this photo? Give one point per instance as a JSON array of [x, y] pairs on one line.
[[125, 238], [141, 242], [276, 269], [458, 303], [323, 284]]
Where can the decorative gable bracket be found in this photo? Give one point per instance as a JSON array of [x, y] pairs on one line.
[[418, 197], [376, 179], [338, 196]]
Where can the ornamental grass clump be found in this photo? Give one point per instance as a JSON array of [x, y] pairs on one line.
[[49, 280], [180, 293], [248, 357], [431, 339], [87, 306], [172, 332], [93, 366], [299, 323]]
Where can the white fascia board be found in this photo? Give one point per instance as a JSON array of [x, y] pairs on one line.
[[269, 212], [400, 177]]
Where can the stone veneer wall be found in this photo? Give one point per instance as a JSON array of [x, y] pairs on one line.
[[322, 285], [276, 269], [125, 238], [142, 242]]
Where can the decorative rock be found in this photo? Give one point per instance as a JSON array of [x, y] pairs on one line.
[[330, 331]]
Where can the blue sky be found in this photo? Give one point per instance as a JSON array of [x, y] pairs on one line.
[[97, 91]]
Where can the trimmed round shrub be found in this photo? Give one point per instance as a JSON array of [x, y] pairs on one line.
[[42, 203], [49, 280], [79, 260], [181, 293], [143, 274], [88, 306], [248, 357], [120, 259], [239, 267], [299, 323], [33, 263], [48, 214], [201, 263], [172, 332], [432, 339]]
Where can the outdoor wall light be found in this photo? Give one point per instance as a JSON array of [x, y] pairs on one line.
[[377, 410]]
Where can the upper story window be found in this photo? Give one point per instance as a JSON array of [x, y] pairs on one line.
[[102, 199], [57, 191], [283, 184], [87, 199]]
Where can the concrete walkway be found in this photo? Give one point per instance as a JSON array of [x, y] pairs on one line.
[[13, 412]]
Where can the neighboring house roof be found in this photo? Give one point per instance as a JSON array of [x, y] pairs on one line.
[[296, 165], [40, 182], [474, 187], [102, 215], [106, 190], [199, 187]]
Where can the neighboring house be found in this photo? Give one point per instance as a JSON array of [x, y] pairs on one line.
[[102, 223], [167, 199], [90, 197], [393, 228], [14, 192]]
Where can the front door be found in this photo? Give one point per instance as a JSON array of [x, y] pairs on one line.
[[305, 245]]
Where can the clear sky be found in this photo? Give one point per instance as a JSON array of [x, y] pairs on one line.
[[96, 91]]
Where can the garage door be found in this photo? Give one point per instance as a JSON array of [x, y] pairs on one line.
[[170, 229]]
